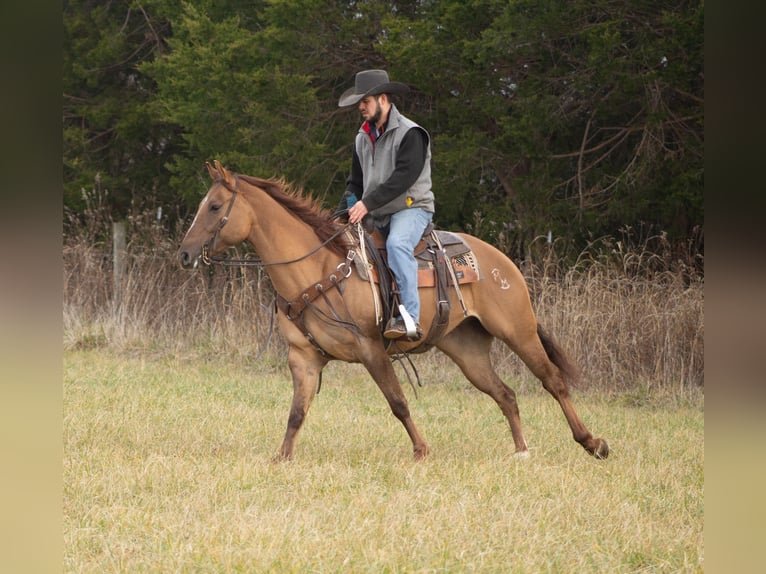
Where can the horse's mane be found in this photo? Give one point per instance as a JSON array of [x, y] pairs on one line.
[[305, 207]]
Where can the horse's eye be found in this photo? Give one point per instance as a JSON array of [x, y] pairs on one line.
[[214, 208]]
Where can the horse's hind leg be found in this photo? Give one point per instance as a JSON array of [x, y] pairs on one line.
[[469, 345], [549, 364], [306, 365]]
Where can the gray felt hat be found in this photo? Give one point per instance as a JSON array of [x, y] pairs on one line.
[[370, 83]]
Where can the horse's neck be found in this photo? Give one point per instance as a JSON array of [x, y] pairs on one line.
[[282, 239]]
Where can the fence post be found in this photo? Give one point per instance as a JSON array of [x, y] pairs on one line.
[[119, 262]]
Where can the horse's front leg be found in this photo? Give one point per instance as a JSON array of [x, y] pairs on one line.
[[306, 365], [378, 364]]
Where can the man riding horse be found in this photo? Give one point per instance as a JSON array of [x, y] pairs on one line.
[[390, 179]]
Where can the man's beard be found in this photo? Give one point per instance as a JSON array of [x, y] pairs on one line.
[[375, 118]]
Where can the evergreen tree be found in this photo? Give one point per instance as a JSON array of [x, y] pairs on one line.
[[579, 118]]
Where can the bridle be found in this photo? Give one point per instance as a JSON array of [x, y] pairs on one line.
[[255, 260], [224, 220], [294, 309]]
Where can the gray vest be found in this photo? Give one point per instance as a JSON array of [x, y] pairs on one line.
[[378, 165]]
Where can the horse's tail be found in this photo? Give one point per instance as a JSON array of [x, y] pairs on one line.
[[556, 354]]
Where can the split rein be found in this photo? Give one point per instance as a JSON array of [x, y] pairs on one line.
[[305, 300], [254, 260]]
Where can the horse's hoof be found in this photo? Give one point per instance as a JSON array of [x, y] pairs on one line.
[[280, 458], [521, 454], [602, 450], [421, 453]]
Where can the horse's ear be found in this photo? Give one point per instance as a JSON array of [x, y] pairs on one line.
[[225, 174], [211, 170]]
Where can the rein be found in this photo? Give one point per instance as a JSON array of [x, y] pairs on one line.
[[252, 261], [294, 309], [255, 260]]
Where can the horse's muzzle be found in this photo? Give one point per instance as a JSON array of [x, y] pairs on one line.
[[187, 260]]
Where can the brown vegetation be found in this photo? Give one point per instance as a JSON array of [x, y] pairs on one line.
[[629, 313]]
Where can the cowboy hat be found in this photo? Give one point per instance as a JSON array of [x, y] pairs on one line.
[[370, 83]]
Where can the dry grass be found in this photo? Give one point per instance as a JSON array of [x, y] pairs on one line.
[[631, 317], [175, 401], [168, 469]]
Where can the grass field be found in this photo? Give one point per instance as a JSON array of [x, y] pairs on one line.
[[167, 468]]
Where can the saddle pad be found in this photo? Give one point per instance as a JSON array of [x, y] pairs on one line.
[[461, 256], [453, 245], [427, 275]]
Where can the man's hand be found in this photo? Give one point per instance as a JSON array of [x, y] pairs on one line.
[[357, 212]]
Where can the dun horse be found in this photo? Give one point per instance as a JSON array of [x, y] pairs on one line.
[[308, 257]]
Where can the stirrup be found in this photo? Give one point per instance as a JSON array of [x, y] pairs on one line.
[[409, 322]]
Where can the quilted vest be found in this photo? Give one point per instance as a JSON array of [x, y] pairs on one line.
[[378, 163]]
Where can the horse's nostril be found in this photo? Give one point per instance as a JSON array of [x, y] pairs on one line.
[[184, 257]]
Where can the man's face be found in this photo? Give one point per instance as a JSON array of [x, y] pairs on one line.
[[369, 107]]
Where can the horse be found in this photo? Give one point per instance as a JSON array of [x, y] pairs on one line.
[[308, 256]]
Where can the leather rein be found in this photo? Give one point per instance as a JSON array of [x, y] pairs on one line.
[[294, 309], [252, 260]]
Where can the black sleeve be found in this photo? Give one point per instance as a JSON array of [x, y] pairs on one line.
[[410, 160], [355, 180]]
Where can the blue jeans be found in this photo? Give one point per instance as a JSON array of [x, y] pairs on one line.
[[404, 231]]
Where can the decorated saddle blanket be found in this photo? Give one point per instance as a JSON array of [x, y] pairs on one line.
[[460, 255]]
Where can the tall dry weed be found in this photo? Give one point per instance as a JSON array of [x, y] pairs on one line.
[[629, 311]]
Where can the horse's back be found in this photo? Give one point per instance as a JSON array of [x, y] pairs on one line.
[[492, 262], [498, 298]]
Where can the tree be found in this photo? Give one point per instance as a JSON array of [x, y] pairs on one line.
[[566, 116], [109, 132], [578, 117], [263, 99]]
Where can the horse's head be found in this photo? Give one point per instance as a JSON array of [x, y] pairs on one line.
[[219, 223]]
